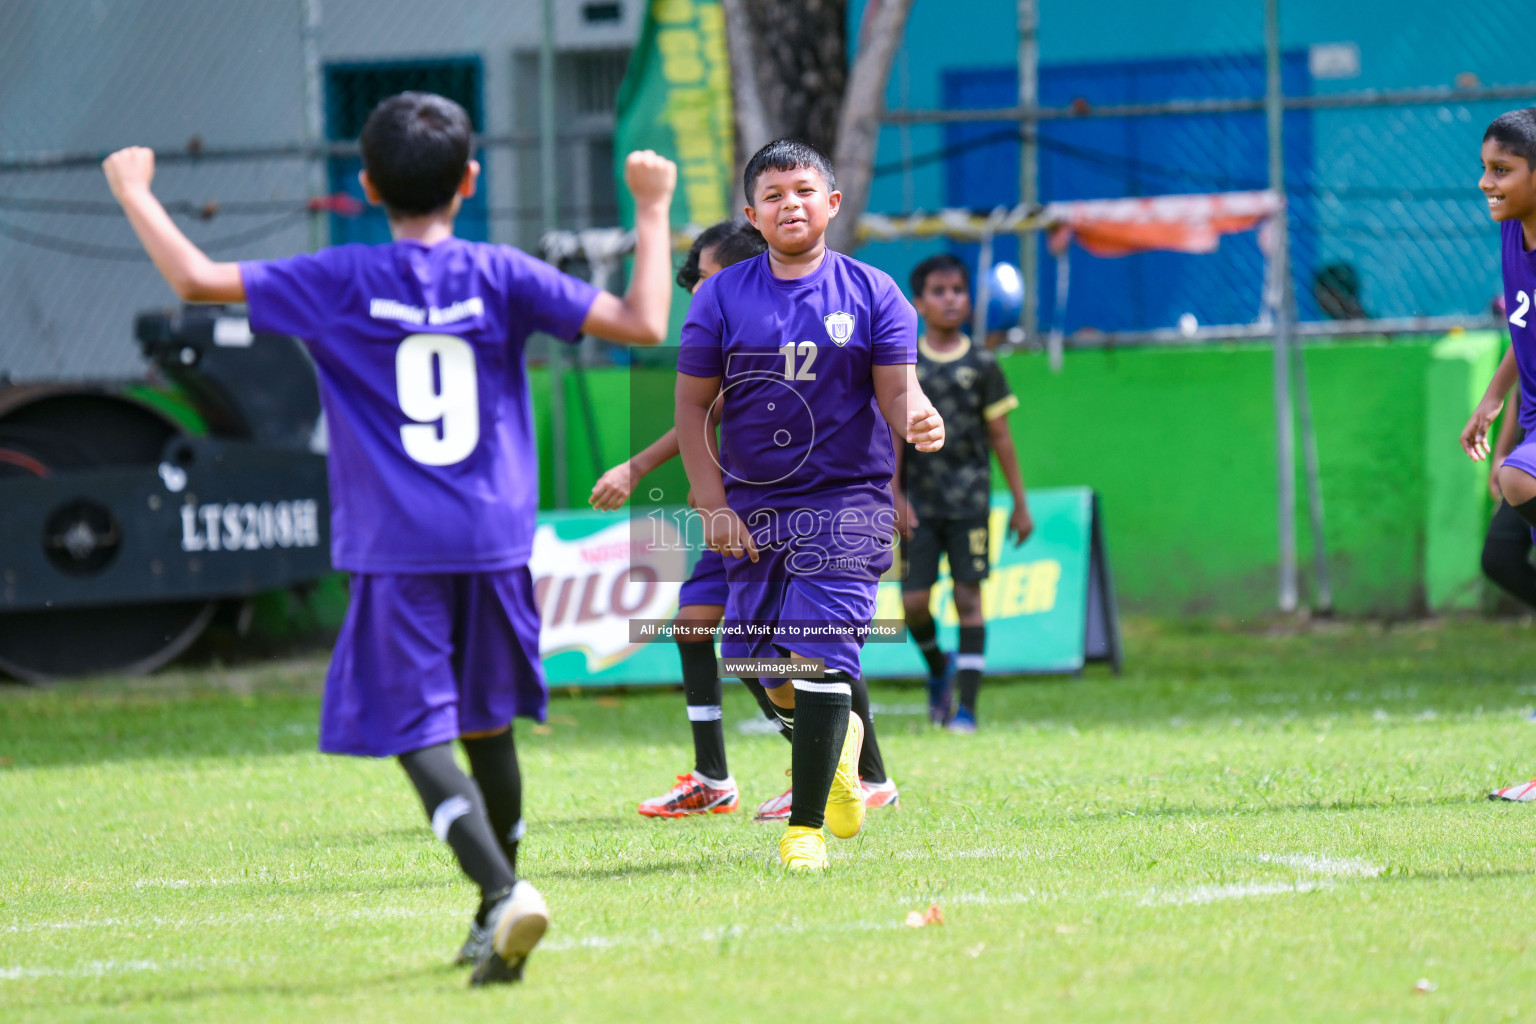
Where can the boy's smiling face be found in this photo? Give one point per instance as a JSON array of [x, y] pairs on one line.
[[1509, 182], [791, 208]]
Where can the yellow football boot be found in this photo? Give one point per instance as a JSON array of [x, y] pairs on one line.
[[803, 849], [845, 803]]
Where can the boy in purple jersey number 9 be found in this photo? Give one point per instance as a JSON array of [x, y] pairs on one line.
[[811, 355], [418, 345], [1509, 185]]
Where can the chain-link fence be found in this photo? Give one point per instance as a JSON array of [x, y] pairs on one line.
[[1385, 106], [1384, 109]]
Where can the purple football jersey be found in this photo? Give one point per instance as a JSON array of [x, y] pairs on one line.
[[804, 449], [433, 465], [1519, 300]]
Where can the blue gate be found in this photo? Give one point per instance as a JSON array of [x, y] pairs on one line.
[[352, 90], [1099, 158]]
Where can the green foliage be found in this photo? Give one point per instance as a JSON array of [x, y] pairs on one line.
[[1264, 827]]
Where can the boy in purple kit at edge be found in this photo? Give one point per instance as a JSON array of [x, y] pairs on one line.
[[811, 355], [1509, 185], [419, 349]]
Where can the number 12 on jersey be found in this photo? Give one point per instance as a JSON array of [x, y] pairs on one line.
[[445, 405], [806, 350]]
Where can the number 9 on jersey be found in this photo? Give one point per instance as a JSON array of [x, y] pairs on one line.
[[445, 404]]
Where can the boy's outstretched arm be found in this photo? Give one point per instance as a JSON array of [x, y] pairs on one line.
[[723, 530], [906, 408], [614, 487], [1021, 524], [190, 273], [906, 518], [1474, 436], [1509, 434], [640, 317]]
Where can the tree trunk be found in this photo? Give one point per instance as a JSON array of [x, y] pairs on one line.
[[798, 56], [753, 127], [858, 131], [790, 79]]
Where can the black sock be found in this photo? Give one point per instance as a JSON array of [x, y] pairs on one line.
[[1507, 555], [871, 764], [771, 710], [1526, 510], [784, 716], [821, 719], [493, 763], [970, 662], [926, 634], [701, 688], [457, 812]]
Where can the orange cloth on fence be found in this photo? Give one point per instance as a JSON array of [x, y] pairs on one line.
[[1106, 238]]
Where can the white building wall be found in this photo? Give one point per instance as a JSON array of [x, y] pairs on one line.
[[88, 76]]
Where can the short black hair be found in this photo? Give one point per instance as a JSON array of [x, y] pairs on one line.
[[1515, 132], [786, 155], [688, 273], [733, 241], [416, 147], [939, 264], [742, 244]]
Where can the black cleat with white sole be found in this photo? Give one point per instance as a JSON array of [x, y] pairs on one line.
[[517, 924]]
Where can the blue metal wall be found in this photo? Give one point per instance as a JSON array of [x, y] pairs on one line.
[[1390, 191]]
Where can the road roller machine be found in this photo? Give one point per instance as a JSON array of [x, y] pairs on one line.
[[131, 510]]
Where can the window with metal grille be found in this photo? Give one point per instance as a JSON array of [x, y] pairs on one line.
[[598, 74], [353, 90], [351, 93], [599, 13]]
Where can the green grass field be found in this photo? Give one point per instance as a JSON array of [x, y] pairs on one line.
[[1243, 826]]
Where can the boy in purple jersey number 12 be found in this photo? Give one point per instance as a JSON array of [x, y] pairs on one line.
[[1509, 184], [809, 355], [709, 787], [418, 346]]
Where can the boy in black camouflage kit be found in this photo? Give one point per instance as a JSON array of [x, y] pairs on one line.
[[944, 504]]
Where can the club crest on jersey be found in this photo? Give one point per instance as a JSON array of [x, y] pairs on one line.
[[839, 327]]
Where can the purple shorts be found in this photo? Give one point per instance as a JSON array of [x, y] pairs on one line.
[[770, 592], [706, 584], [1523, 458], [423, 659]]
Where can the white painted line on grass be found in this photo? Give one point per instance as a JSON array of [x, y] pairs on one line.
[[1327, 867], [216, 920], [898, 709], [975, 853], [217, 883], [984, 899], [97, 969], [1319, 873], [1217, 893]]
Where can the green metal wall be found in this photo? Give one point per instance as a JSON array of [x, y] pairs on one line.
[[1180, 444], [1181, 447]]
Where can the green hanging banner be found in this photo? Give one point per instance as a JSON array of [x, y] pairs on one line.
[[676, 99]]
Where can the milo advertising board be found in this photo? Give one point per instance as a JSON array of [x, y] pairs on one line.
[[1049, 604]]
